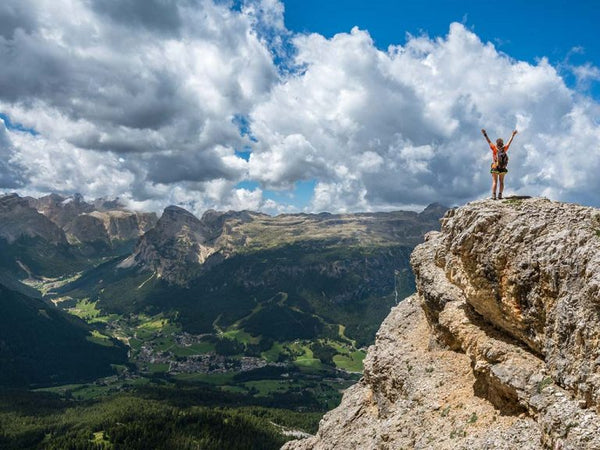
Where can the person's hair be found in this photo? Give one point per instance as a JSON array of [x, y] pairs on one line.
[[499, 142]]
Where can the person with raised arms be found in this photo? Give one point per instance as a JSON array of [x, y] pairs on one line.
[[498, 169]]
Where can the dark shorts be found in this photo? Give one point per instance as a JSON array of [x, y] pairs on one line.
[[499, 171]]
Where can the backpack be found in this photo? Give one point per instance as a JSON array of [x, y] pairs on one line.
[[502, 158]]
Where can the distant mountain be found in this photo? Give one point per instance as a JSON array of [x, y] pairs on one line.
[[40, 344], [175, 247], [281, 278], [56, 236], [18, 220], [102, 223], [181, 245], [31, 244], [60, 210]]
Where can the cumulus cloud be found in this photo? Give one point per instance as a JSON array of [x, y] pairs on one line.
[[157, 15], [399, 127], [148, 89], [15, 16], [152, 101], [11, 173]]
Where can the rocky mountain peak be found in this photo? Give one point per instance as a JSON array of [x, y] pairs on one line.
[[174, 247], [59, 209], [102, 221], [19, 219], [175, 211], [177, 223], [9, 198], [434, 210], [178, 215], [498, 349]]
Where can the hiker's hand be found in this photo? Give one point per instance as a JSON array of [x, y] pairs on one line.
[[515, 132], [483, 132]]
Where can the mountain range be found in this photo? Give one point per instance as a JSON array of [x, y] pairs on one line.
[[294, 288], [302, 275], [55, 236]]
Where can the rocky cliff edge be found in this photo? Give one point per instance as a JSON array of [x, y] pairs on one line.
[[499, 348]]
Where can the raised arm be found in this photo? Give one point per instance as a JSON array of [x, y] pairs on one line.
[[486, 136], [514, 133]]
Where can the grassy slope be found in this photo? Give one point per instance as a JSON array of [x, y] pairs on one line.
[[324, 287]]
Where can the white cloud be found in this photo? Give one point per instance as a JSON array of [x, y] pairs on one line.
[[140, 92], [402, 127], [10, 171], [586, 74]]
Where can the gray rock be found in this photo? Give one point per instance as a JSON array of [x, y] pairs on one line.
[[19, 219], [174, 248], [101, 221], [499, 347]]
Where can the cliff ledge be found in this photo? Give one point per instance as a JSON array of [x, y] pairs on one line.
[[498, 349]]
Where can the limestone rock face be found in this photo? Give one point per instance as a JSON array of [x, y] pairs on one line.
[[177, 244], [60, 210], [498, 349], [18, 219], [124, 225], [532, 269], [87, 228], [100, 222]]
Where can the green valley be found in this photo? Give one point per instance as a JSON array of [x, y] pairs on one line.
[[236, 318]]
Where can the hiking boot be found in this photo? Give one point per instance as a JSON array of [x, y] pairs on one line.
[[500, 196], [493, 196]]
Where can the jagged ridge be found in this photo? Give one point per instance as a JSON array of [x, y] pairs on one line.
[[180, 246]]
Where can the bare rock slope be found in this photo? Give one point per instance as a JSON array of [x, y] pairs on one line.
[[17, 220], [499, 348], [103, 221]]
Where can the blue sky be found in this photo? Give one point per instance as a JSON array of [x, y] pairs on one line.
[[526, 30], [286, 106], [562, 31]]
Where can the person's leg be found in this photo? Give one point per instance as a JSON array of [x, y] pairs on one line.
[[494, 184], [501, 185]]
